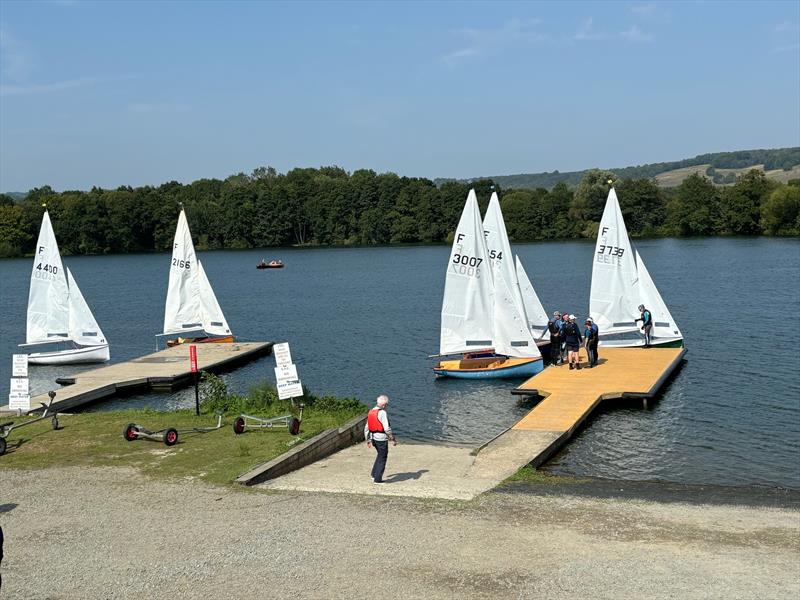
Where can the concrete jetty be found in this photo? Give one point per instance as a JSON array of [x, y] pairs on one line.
[[163, 370], [568, 398]]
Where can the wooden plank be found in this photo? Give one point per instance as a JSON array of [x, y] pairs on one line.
[[168, 368]]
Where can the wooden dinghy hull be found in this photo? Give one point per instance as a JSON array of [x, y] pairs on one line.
[[489, 368], [226, 339]]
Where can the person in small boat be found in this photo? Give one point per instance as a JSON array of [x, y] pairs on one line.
[[573, 341], [647, 324], [554, 325], [591, 335], [377, 432]]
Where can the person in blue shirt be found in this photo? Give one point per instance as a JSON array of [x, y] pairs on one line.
[[647, 324], [573, 341], [591, 336]]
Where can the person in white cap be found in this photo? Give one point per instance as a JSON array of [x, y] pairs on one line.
[[377, 432], [573, 341]]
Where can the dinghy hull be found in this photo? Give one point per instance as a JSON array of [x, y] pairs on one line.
[[489, 368], [226, 339], [639, 343], [71, 356]]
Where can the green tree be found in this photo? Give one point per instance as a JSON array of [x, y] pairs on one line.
[[780, 214], [694, 209], [642, 204], [590, 196]]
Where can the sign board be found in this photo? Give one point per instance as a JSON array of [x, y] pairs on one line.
[[19, 386], [19, 365], [193, 358], [286, 373], [291, 388], [19, 402], [282, 354]]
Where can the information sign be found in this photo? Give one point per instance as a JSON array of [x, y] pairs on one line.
[[286, 372], [282, 354], [290, 389], [19, 386], [19, 365]]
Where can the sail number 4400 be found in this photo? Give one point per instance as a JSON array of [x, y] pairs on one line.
[[183, 264], [45, 271]]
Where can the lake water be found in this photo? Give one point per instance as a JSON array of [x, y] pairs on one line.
[[362, 321]]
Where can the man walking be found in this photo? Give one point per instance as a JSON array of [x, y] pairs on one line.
[[591, 337], [378, 433]]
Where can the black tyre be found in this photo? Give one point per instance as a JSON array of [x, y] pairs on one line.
[[54, 423], [130, 431], [171, 436], [2, 446], [294, 426], [238, 425]]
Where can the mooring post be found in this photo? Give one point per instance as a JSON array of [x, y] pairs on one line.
[[193, 365]]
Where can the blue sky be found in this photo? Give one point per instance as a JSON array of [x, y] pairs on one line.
[[114, 93]]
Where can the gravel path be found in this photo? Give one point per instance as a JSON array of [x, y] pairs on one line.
[[108, 533]]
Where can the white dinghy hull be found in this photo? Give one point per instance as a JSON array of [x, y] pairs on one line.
[[71, 356]]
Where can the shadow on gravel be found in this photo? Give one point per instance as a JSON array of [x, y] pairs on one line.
[[657, 491], [4, 508], [405, 476]]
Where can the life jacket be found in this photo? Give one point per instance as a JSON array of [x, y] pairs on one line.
[[647, 318], [373, 423]]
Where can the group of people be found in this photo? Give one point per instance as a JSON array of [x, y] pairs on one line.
[[566, 339]]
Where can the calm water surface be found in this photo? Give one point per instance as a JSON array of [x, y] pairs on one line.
[[362, 322]]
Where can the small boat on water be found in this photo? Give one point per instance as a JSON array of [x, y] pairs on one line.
[[483, 312], [57, 311], [191, 303], [273, 264], [620, 283]]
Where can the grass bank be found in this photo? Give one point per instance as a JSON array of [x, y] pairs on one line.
[[95, 439]]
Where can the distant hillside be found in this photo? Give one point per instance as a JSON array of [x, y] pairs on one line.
[[722, 168]]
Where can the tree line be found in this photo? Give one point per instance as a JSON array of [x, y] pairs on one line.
[[329, 206]]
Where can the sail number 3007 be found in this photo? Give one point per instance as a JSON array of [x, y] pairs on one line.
[[183, 264], [466, 265]]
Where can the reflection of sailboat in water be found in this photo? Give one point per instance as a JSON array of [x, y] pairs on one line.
[[57, 311], [191, 305], [483, 315], [620, 283]]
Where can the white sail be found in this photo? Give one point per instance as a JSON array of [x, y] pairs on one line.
[[664, 326], [499, 248], [613, 300], [48, 304], [512, 335], [534, 311], [83, 328], [468, 288], [213, 320], [191, 304], [182, 310]]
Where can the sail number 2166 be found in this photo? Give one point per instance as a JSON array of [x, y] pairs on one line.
[[183, 264]]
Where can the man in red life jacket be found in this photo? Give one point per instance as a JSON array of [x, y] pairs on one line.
[[378, 433]]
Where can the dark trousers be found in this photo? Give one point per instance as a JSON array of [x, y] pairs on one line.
[[382, 448], [555, 349], [648, 330], [591, 352]]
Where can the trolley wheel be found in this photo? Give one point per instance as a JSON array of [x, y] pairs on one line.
[[130, 432], [54, 423], [171, 436], [238, 425], [2, 446], [294, 426]]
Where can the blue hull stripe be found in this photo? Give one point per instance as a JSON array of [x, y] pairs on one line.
[[525, 370]]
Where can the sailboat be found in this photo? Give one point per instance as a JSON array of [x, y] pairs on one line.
[[537, 316], [620, 283], [57, 311], [483, 316], [191, 305]]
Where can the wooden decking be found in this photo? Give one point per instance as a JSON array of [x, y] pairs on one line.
[[165, 369], [569, 396]]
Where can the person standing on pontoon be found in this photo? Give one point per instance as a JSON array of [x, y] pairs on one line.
[[573, 341], [554, 326], [647, 324]]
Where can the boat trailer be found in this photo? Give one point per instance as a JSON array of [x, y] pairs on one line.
[[8, 427], [168, 435], [292, 423]]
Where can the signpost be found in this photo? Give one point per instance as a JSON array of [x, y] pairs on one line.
[[288, 381], [19, 397], [193, 365]]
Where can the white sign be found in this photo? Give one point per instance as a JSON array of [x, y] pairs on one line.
[[19, 386], [282, 354], [19, 402], [19, 365], [286, 373], [290, 389]]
